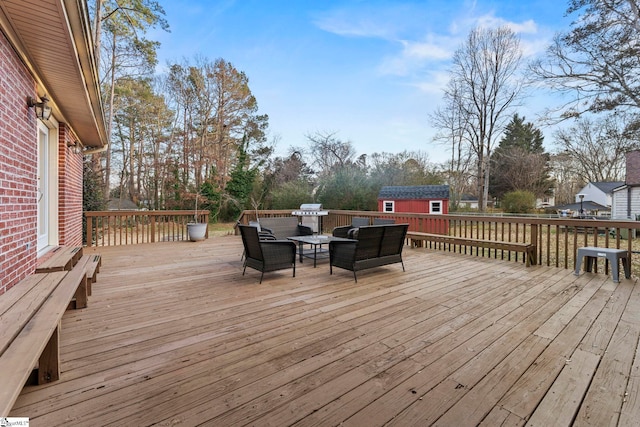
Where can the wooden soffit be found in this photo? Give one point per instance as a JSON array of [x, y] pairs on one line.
[[53, 39]]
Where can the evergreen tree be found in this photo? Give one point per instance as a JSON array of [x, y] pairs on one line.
[[241, 182], [520, 162], [92, 195]]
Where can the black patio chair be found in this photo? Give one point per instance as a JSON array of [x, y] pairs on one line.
[[346, 230], [266, 255]]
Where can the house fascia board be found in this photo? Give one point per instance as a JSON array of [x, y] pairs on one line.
[[70, 18]]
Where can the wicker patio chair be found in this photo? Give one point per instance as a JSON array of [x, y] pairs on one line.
[[356, 222], [266, 255], [376, 245]]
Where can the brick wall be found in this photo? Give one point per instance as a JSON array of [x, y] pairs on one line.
[[633, 168], [70, 185], [18, 168]]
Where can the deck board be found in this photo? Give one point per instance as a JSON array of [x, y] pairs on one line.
[[175, 334]]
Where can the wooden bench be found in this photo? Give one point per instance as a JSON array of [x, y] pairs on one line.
[[417, 239], [30, 318], [92, 264], [60, 259]]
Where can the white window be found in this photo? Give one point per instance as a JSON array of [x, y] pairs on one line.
[[435, 206], [388, 206]]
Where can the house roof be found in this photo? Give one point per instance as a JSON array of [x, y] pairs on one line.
[[586, 205], [607, 187], [414, 192], [121, 205], [53, 39]]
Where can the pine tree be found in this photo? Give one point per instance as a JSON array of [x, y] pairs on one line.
[[520, 162]]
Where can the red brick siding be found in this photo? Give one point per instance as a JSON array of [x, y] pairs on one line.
[[633, 168], [18, 168], [70, 188]]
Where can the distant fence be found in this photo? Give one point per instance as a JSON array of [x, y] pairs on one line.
[[112, 228]]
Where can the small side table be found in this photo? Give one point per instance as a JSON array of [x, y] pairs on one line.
[[611, 255]]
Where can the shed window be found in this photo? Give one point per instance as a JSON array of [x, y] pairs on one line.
[[435, 206], [388, 206]]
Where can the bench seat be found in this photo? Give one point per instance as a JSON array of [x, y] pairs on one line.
[[92, 264], [30, 317], [62, 258], [418, 238]]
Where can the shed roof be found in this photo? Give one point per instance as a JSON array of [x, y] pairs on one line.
[[413, 192]]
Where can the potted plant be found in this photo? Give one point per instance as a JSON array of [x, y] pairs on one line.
[[197, 230]]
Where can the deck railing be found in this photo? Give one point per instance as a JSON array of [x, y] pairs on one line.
[[556, 239], [112, 228]]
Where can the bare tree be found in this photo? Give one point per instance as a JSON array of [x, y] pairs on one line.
[[330, 153], [597, 62], [217, 113], [485, 87], [451, 122], [522, 170], [567, 183], [598, 148]]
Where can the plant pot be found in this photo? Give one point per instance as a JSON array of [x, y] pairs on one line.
[[197, 231]]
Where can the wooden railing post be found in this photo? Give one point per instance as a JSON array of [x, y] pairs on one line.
[[534, 242], [153, 229], [89, 231]]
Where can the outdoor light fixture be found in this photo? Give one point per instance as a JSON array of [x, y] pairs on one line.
[[581, 204], [43, 111]]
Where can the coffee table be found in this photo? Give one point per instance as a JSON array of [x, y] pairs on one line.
[[316, 243]]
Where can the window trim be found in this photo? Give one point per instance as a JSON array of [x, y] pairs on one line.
[[440, 207]]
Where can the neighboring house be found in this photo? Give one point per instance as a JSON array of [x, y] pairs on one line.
[[46, 48], [545, 202], [433, 199], [122, 205], [626, 198], [589, 208], [468, 201], [600, 193]]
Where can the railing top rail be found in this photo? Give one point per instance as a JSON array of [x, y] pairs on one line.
[[570, 222], [144, 212]]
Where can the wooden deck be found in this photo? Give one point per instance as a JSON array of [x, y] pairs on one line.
[[175, 335]]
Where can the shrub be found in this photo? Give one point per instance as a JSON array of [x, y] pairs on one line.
[[519, 202]]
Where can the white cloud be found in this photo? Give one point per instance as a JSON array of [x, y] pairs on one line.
[[434, 83], [428, 50], [364, 21], [491, 21], [415, 56], [344, 26]]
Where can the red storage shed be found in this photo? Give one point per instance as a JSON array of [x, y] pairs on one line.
[[432, 199]]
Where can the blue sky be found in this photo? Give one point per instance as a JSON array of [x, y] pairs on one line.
[[369, 70]]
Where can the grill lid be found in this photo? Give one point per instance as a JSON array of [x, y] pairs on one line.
[[310, 206], [310, 209]]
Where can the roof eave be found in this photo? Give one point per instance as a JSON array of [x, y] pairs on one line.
[[64, 69]]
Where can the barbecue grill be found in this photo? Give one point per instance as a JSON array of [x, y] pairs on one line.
[[311, 214]]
